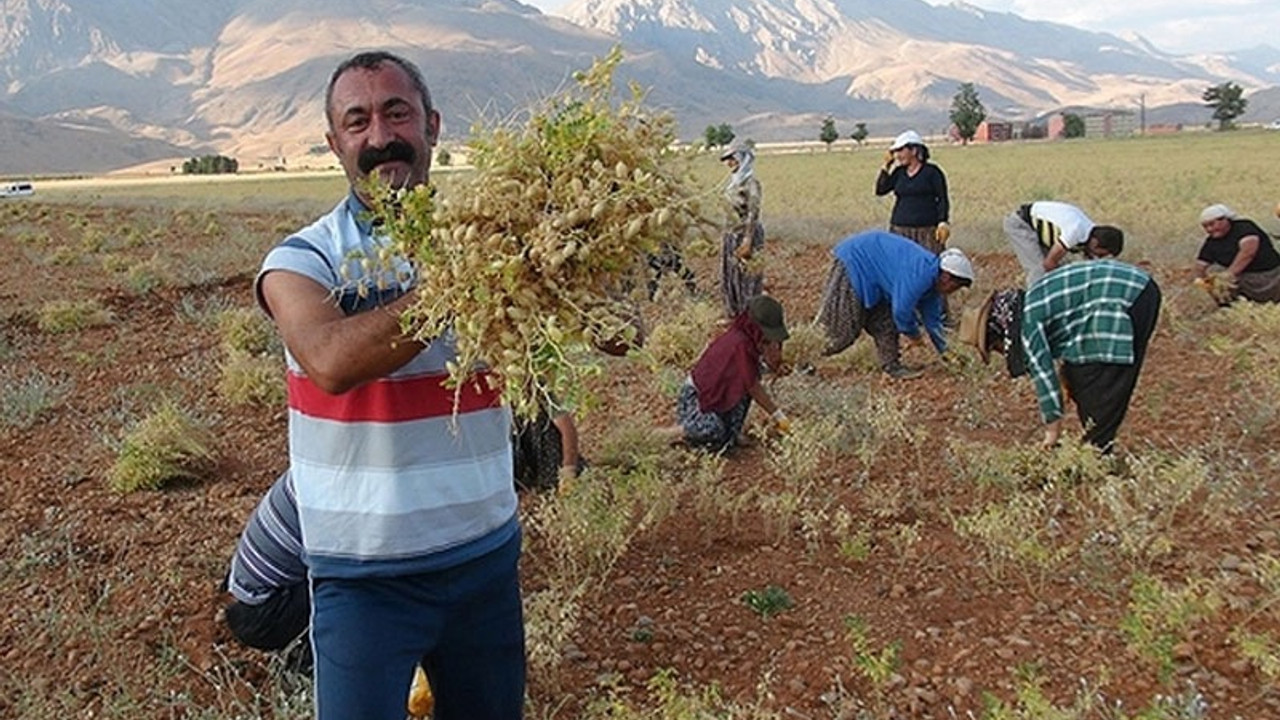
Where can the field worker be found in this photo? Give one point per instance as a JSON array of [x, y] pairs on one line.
[[886, 284], [1243, 251], [405, 498], [1043, 232], [712, 408], [668, 261], [271, 606], [921, 205], [547, 451], [745, 235], [271, 601], [1096, 319]]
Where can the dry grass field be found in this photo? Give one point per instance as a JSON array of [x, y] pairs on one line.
[[908, 552]]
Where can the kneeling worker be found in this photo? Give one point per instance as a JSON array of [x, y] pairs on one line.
[[271, 605]]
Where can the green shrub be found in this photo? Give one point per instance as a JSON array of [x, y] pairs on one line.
[[247, 331], [168, 444], [769, 601], [25, 399], [252, 380], [146, 277], [60, 316]]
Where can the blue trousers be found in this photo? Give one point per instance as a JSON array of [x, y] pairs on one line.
[[465, 624]]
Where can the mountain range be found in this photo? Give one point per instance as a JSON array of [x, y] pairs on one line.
[[90, 86]]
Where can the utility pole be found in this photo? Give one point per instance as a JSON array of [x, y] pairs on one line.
[[1142, 114]]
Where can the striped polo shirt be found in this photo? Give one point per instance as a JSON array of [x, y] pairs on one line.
[[269, 553], [402, 474]]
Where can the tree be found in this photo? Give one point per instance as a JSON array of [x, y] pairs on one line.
[[1072, 126], [967, 112], [859, 133], [718, 136], [210, 165], [828, 133], [1227, 101]]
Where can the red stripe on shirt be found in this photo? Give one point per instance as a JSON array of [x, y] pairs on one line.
[[392, 400]]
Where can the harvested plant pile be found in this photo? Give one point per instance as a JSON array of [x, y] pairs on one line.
[[532, 258]]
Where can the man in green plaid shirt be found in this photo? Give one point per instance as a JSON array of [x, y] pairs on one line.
[[1096, 318]]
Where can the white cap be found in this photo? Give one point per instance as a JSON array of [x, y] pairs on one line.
[[954, 261], [910, 137], [1213, 212]]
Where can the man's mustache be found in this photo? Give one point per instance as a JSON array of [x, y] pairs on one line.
[[371, 158]]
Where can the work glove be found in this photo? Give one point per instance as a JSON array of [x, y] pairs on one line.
[[781, 421], [943, 233]]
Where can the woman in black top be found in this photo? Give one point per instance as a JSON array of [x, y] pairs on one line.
[[921, 207], [1241, 250]]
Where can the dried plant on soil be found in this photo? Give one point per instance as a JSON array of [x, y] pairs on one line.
[[532, 256], [166, 445], [1221, 286]]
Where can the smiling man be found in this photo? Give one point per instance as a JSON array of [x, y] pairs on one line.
[[406, 509]]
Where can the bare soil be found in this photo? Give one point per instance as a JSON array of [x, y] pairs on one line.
[[114, 607]]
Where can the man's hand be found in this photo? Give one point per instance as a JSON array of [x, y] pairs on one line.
[[943, 233], [1052, 432]]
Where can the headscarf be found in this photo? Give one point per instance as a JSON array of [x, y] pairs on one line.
[[1217, 211], [729, 366], [746, 158]]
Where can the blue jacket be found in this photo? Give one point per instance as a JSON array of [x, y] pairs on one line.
[[885, 267]]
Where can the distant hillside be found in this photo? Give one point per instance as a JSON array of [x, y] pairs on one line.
[[915, 54], [1263, 107], [158, 80], [45, 147]]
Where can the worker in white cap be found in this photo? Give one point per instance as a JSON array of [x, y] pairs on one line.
[[1241, 253], [921, 206], [888, 285]]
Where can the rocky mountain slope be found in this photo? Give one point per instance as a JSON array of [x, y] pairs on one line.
[[246, 77], [915, 54]]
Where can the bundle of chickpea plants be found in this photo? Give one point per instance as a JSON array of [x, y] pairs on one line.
[[533, 259]]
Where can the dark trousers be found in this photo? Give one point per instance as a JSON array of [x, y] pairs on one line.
[[1102, 391], [273, 623], [277, 624], [464, 624]]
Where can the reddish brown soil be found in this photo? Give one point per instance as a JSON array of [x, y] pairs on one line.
[[114, 607]]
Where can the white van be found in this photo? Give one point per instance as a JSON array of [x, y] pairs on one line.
[[16, 189]]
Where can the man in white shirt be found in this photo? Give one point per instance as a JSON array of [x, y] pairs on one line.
[[1043, 232]]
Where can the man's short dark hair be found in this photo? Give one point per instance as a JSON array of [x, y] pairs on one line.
[[1108, 238], [373, 60], [963, 282]]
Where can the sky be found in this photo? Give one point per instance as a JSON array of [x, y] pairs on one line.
[[1176, 26]]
